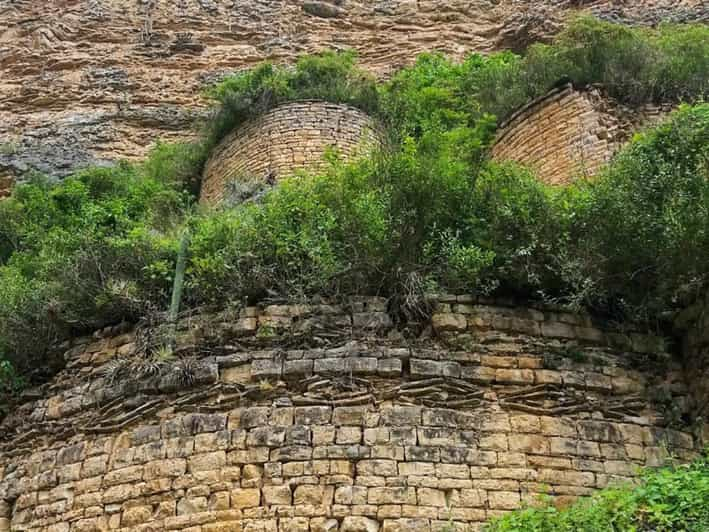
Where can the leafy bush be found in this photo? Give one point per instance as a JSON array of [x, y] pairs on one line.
[[357, 228], [640, 231], [670, 499], [634, 64], [91, 250], [330, 76]]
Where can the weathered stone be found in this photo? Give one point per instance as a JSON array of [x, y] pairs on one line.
[[359, 524], [449, 322], [276, 495], [245, 498]]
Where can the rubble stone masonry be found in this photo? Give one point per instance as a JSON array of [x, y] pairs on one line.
[[288, 138], [323, 417], [568, 134]]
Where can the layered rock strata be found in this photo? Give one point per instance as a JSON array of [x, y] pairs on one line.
[[101, 80], [323, 417]]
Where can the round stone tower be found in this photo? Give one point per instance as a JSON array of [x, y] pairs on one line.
[[288, 138]]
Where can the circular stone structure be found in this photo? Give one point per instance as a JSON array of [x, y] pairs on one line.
[[286, 139], [571, 133]]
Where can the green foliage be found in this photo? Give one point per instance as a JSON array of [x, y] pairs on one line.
[[330, 76], [634, 64], [669, 499], [177, 164], [357, 228], [80, 254]]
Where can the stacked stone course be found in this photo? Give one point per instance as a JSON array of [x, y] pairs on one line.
[[568, 134], [6, 183], [288, 138], [367, 431]]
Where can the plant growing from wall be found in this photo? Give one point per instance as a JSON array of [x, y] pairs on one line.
[[667, 500], [427, 213]]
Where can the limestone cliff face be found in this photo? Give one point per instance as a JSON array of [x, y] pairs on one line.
[[86, 81]]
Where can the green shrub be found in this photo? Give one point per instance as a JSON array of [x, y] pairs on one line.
[[640, 231], [330, 76], [81, 254], [667, 500], [635, 65]]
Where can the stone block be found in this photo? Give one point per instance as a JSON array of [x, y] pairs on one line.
[[525, 423], [298, 367], [266, 437], [389, 367], [391, 495], [372, 320], [402, 435], [323, 524], [205, 422], [478, 374], [94, 466], [514, 376], [503, 500], [276, 495], [312, 415], [401, 415], [425, 368], [386, 468], [599, 431], [529, 443], [359, 524], [348, 435], [265, 368], [212, 441], [361, 365], [437, 436], [245, 497], [421, 469], [123, 475], [449, 322], [206, 462]]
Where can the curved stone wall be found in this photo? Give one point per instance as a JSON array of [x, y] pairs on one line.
[[568, 133], [322, 418], [288, 138]]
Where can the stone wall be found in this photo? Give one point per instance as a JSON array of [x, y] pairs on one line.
[[568, 134], [288, 138], [324, 417], [6, 183]]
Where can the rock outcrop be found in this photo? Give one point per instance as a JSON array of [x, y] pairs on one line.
[[90, 81]]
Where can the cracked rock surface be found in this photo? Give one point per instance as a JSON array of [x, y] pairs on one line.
[[91, 81]]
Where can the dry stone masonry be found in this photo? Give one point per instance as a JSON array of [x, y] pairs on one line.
[[323, 417], [276, 144], [569, 134]]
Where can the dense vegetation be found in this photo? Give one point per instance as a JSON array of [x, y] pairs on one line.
[[429, 212], [667, 500]]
